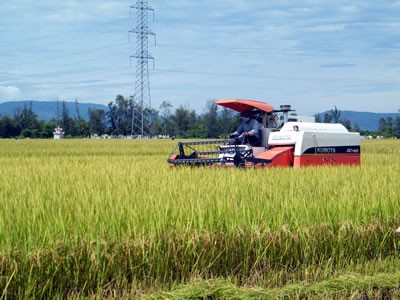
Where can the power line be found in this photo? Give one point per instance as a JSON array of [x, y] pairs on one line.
[[66, 55], [60, 68], [87, 75], [277, 51], [244, 76], [253, 76], [45, 45], [307, 23], [62, 33]]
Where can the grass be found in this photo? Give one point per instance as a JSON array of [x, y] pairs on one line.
[[85, 218]]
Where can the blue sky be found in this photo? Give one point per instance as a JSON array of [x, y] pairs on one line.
[[307, 53]]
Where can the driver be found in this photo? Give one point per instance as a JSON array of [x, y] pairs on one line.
[[248, 131]]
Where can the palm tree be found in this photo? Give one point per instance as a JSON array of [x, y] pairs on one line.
[[335, 113]]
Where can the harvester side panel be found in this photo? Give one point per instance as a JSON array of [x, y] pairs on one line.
[[309, 142], [319, 144], [327, 148], [318, 160], [278, 156]]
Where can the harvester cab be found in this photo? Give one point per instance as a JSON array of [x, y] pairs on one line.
[[286, 140]]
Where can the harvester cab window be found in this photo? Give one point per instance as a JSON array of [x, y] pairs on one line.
[[273, 121]]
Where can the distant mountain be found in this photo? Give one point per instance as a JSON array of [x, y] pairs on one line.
[[47, 110], [365, 120]]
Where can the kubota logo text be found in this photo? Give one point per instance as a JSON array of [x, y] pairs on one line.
[[326, 150]]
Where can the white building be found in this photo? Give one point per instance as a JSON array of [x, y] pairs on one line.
[[58, 133]]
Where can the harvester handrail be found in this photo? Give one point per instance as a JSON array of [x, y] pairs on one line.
[[196, 161], [211, 142]]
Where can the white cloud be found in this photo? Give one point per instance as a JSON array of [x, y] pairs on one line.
[[68, 15], [349, 9], [9, 92], [280, 13], [326, 28], [304, 10], [396, 4], [106, 6]]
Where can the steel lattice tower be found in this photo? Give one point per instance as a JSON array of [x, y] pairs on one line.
[[141, 97]]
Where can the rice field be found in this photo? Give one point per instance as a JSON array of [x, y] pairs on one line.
[[110, 219]]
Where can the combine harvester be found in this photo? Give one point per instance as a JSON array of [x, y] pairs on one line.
[[286, 141]]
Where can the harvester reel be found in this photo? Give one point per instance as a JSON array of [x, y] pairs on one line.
[[239, 159], [229, 152]]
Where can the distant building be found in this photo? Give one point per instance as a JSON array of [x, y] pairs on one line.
[[58, 133]]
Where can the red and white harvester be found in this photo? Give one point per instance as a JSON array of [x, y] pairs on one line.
[[287, 140]]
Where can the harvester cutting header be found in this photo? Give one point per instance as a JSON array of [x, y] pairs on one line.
[[281, 140]]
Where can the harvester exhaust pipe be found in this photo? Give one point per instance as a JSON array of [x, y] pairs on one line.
[[285, 109]]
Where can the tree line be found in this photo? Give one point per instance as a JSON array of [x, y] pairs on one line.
[[119, 120], [122, 116], [387, 127]]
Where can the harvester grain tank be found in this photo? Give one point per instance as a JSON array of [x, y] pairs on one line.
[[286, 141]]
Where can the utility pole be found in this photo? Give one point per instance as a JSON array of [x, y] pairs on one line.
[[58, 111], [141, 97]]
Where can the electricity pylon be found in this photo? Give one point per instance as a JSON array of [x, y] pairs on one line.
[[141, 97]]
